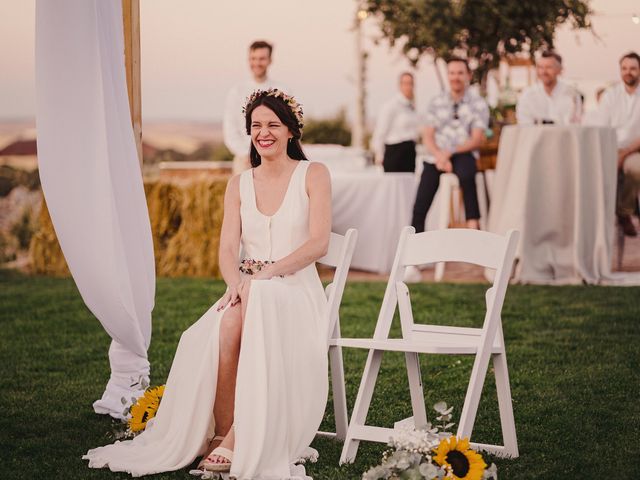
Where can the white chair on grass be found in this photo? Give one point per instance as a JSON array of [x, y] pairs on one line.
[[461, 245], [451, 208], [339, 256]]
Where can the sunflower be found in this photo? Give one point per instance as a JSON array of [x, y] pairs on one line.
[[145, 408], [464, 463]]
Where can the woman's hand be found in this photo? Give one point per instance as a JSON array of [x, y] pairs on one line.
[[231, 296], [265, 274]]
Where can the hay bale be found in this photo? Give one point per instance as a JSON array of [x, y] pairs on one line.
[[164, 201], [193, 250], [44, 250], [185, 224]]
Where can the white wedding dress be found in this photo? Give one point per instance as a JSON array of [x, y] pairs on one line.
[[282, 385]]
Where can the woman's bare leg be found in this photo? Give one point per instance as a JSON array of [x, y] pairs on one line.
[[230, 334]]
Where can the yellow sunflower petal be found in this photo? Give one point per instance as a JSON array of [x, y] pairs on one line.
[[441, 452], [463, 444]]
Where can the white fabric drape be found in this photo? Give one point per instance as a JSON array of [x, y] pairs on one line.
[[91, 178]]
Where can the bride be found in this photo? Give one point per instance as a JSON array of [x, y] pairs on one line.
[[248, 384]]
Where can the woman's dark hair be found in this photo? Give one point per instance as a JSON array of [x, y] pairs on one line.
[[278, 106]]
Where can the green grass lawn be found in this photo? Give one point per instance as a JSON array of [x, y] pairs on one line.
[[573, 353]]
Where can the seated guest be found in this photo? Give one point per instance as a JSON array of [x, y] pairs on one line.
[[550, 100], [397, 128], [454, 129], [620, 108]]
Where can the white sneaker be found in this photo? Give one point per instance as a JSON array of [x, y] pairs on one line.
[[412, 274]]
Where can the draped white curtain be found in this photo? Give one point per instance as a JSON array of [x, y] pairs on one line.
[[92, 181]]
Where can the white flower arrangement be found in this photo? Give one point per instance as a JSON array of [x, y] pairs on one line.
[[431, 453]]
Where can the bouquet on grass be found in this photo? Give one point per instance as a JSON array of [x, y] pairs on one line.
[[141, 411], [431, 453]]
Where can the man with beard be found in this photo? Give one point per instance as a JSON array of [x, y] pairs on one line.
[[550, 100], [620, 109]]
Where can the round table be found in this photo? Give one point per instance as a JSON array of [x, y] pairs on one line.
[[557, 185]]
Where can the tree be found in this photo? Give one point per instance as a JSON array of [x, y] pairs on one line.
[[482, 30]]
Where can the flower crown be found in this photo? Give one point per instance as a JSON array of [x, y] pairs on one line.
[[291, 102]]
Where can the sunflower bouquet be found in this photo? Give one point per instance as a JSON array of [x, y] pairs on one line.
[[431, 453], [141, 411]]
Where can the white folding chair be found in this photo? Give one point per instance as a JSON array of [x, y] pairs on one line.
[[460, 245], [339, 256], [451, 208]]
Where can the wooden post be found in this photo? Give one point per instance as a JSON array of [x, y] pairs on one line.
[[131, 23], [358, 130]]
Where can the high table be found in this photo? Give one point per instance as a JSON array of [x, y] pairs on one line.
[[378, 205], [557, 185]]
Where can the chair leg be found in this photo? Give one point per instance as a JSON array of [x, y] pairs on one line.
[[620, 238], [482, 199], [339, 394], [444, 215], [505, 405], [361, 406], [472, 399], [415, 387]]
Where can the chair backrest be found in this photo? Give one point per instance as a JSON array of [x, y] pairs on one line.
[[451, 245], [455, 245], [339, 254]]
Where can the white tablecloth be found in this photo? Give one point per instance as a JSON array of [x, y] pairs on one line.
[[379, 205], [557, 185], [336, 157]]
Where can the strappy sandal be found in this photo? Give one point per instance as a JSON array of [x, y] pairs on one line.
[[204, 459], [219, 466]]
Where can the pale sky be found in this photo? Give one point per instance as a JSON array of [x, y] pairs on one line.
[[192, 52]]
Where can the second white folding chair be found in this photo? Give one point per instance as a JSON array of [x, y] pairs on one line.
[[460, 245], [339, 256]]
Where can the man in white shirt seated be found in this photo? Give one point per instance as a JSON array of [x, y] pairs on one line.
[[620, 108], [233, 125], [550, 100], [397, 129]]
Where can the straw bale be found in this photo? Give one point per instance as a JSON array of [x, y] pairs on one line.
[[185, 224], [164, 201], [193, 250], [44, 250]]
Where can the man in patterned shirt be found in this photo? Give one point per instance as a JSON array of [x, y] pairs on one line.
[[454, 130]]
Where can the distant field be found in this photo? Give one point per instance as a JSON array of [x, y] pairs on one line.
[[184, 136]]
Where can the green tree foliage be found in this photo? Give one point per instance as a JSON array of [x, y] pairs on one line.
[[12, 177], [23, 229], [334, 130], [483, 30]]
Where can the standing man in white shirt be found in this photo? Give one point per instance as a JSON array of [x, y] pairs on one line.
[[620, 108], [233, 126], [550, 100], [397, 129]]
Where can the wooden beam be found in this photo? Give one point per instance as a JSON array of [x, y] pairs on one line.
[[131, 23]]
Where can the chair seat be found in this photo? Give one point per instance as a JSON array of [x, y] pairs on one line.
[[438, 342]]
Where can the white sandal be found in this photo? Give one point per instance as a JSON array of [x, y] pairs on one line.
[[204, 459], [219, 466]]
